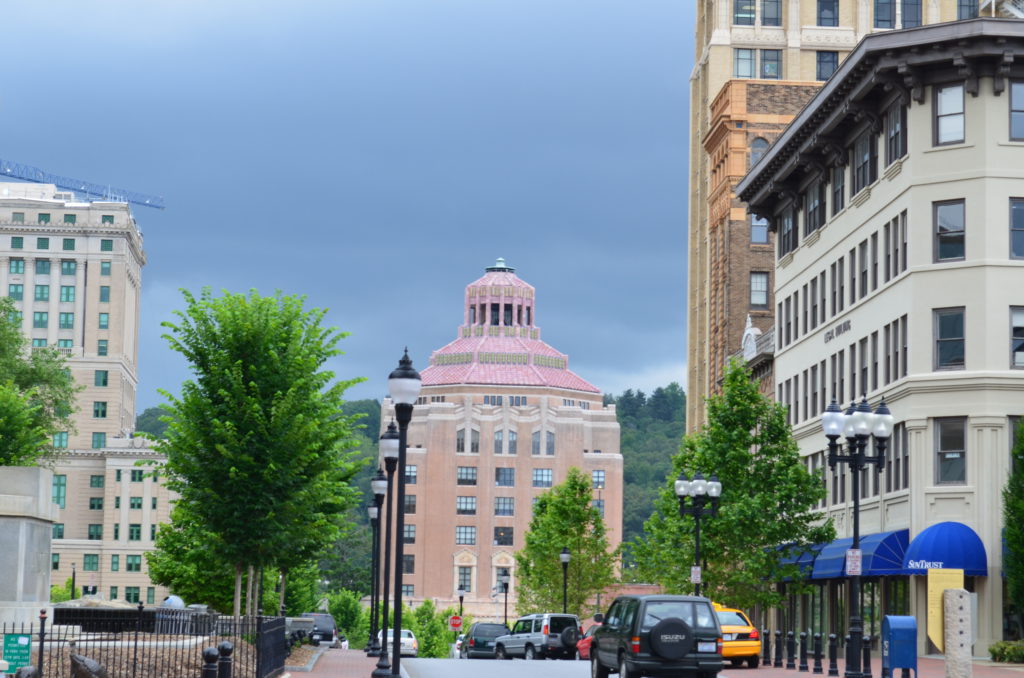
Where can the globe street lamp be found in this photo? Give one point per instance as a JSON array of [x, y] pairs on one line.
[[699, 491], [389, 450], [504, 578], [379, 485], [404, 387], [856, 425], [564, 557], [462, 594]]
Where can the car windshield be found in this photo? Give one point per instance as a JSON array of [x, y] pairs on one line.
[[490, 630], [696, 614], [732, 619], [559, 624]]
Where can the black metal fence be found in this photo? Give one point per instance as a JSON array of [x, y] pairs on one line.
[[154, 642]]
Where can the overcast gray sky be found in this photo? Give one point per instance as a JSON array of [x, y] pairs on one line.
[[376, 155]]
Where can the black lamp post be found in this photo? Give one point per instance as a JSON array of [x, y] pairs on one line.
[[73, 581], [404, 386], [699, 490], [379, 485], [857, 425], [389, 450], [564, 557], [462, 594], [504, 578]]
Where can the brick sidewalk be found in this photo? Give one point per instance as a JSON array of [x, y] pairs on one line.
[[927, 667], [337, 663]]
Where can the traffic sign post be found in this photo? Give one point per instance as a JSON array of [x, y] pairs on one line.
[[17, 650], [695, 575], [854, 560], [454, 623]]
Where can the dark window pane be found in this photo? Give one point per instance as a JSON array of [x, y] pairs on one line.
[[743, 12]]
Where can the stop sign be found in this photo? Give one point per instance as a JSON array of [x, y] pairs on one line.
[[455, 622]]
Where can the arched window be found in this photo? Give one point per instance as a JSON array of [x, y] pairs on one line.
[[757, 149]]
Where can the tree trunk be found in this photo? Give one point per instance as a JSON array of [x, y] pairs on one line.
[[284, 581], [236, 607], [249, 603]]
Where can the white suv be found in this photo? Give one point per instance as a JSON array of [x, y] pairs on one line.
[[537, 636]]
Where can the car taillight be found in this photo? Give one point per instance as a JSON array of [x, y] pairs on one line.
[[754, 635], [472, 642], [636, 644], [718, 646], [545, 630]]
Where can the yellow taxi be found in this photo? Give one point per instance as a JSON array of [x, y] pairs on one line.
[[740, 640]]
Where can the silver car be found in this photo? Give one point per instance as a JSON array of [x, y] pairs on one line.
[[538, 636]]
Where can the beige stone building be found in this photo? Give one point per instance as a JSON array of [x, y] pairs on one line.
[[757, 64], [897, 201], [500, 419], [74, 270]]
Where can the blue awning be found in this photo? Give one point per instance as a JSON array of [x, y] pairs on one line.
[[882, 551], [802, 556], [949, 545], [830, 563]]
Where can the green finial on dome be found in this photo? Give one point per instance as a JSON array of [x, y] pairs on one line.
[[500, 266]]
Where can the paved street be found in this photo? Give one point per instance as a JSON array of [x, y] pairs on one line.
[[355, 664]]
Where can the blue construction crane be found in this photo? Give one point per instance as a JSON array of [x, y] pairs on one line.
[[28, 173]]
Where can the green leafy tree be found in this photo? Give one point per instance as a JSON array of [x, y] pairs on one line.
[[1013, 519], [564, 517], [257, 447], [37, 394], [768, 501], [345, 607], [431, 629], [151, 421], [62, 594]]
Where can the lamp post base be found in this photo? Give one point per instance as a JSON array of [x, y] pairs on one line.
[[383, 669]]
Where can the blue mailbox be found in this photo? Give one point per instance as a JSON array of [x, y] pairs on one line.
[[899, 645]]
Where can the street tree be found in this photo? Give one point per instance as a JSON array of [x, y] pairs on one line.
[[257, 447], [1013, 519], [767, 507], [564, 517], [37, 394]]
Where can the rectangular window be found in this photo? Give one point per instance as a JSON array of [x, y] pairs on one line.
[[513, 441], [743, 63], [16, 292], [104, 293], [100, 377], [106, 245], [134, 532], [133, 563], [117, 502], [135, 502], [54, 561], [67, 292], [409, 534], [827, 64], [64, 343], [911, 13], [58, 531], [43, 268], [39, 343], [42, 243], [466, 578], [505, 477], [69, 243], [43, 218], [828, 12], [101, 347], [410, 474], [18, 217], [949, 219], [1017, 228], [67, 321], [503, 536], [542, 477], [949, 339], [865, 161], [16, 266], [465, 535], [474, 442], [153, 503], [967, 9], [104, 268], [550, 440], [408, 563], [131, 594], [107, 219], [504, 506], [465, 475], [138, 475], [465, 506], [862, 252], [949, 114], [95, 532], [150, 595], [895, 134], [838, 189], [40, 320], [599, 505], [743, 12], [759, 290], [758, 230], [771, 64], [95, 503], [99, 441], [91, 562], [152, 532], [410, 504], [1017, 111], [498, 441], [68, 267], [104, 322], [1017, 337], [17, 242], [885, 14], [95, 481], [787, 233], [60, 440], [99, 409], [771, 12], [460, 440], [408, 590], [951, 450]]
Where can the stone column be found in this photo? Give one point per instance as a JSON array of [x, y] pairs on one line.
[[956, 607], [26, 518]]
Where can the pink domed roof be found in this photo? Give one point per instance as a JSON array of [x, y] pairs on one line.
[[499, 342]]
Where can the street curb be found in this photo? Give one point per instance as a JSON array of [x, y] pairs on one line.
[[310, 665]]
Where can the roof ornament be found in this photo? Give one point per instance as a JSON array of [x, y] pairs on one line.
[[500, 266]]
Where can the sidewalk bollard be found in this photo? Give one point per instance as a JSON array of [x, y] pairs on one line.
[[803, 651], [866, 665], [210, 662], [778, 649], [790, 650], [833, 655], [224, 665], [766, 647], [817, 654]]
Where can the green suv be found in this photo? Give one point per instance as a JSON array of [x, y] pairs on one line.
[[657, 635]]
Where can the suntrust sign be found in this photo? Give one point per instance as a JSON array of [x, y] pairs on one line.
[[924, 564]]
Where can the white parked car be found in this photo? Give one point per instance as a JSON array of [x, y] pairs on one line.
[[410, 646]]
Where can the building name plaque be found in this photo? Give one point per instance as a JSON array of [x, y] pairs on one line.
[[836, 330]]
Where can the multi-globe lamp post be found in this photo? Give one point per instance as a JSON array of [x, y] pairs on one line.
[[388, 450], [404, 385], [564, 557], [857, 425], [379, 485], [701, 492]]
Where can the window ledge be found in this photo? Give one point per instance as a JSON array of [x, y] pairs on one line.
[[784, 261], [948, 147], [893, 170], [1012, 142], [813, 237], [862, 197]]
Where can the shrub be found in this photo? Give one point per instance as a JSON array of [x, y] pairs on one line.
[[1008, 651]]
